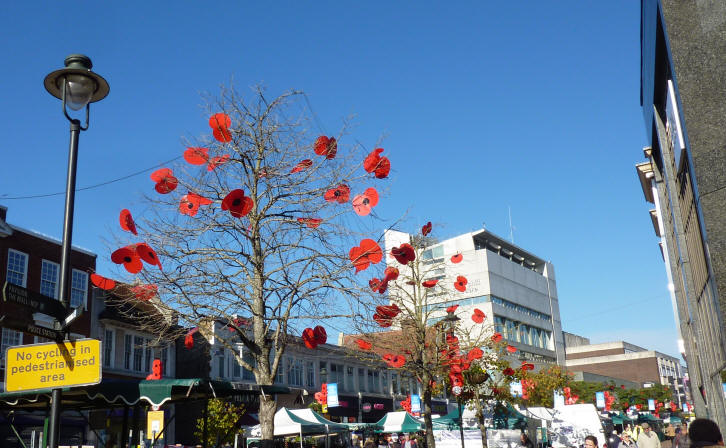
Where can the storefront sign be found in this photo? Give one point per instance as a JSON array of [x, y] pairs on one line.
[[651, 404], [366, 407], [600, 400], [415, 403], [154, 424], [332, 395]]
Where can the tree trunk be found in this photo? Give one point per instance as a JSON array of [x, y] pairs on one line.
[[428, 424], [480, 418], [267, 420]]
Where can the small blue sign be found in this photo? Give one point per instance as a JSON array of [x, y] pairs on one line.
[[415, 403], [333, 395], [651, 404], [600, 399]]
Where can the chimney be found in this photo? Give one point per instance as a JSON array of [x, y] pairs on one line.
[[3, 212]]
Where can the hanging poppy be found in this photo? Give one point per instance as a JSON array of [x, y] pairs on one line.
[[214, 162], [387, 357], [452, 309], [144, 292], [308, 337], [363, 345], [511, 349], [220, 120], [302, 165], [222, 135], [376, 164], [390, 274], [190, 202], [326, 146], [478, 316], [148, 254], [129, 258], [404, 253], [460, 283], [474, 353], [456, 380], [383, 321], [388, 311], [102, 282], [237, 203], [527, 366], [426, 229], [189, 338], [127, 222], [496, 337], [310, 222], [508, 371], [196, 156], [366, 253], [339, 194], [321, 336], [363, 203], [165, 180], [398, 361], [375, 283], [429, 283], [457, 258]]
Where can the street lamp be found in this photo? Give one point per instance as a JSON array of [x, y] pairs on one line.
[[77, 87], [451, 321]]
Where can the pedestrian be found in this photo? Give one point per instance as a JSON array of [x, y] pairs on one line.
[[704, 433], [626, 441], [409, 443], [648, 438], [382, 442], [681, 440], [524, 441], [613, 440], [591, 442], [369, 443]]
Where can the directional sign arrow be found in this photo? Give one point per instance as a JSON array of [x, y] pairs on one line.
[[71, 317], [31, 328], [36, 302]]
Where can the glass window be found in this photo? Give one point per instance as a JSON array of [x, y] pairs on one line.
[[350, 379], [49, 279], [523, 334], [79, 288], [128, 347], [294, 372], [362, 380], [309, 374], [249, 359], [17, 267], [280, 376], [236, 368], [164, 359], [220, 363], [138, 353], [337, 375], [147, 356], [384, 379], [376, 382], [10, 338], [405, 386], [108, 344], [511, 331], [394, 382]]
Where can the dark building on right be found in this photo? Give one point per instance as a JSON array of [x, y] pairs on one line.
[[683, 96]]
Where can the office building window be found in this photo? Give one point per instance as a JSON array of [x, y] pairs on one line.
[[220, 363], [376, 382], [309, 374], [350, 378], [236, 368], [337, 375], [108, 345], [394, 383], [17, 267], [280, 376], [138, 353], [362, 380], [164, 360], [49, 279], [405, 385], [128, 350], [249, 359], [79, 288], [294, 372], [384, 380], [10, 338]]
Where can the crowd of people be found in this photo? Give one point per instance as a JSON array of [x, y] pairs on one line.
[[702, 433]]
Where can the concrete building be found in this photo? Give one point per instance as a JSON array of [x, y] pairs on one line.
[[683, 96], [515, 288], [621, 360]]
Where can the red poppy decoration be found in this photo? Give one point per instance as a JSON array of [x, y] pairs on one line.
[[237, 203], [404, 253], [363, 203], [478, 316], [144, 292], [388, 311], [326, 146], [165, 180], [321, 336], [527, 366], [457, 379], [214, 162], [310, 222], [496, 337], [196, 156], [474, 353], [189, 203], [508, 371], [102, 282], [384, 322], [366, 253], [308, 337], [390, 274], [220, 124], [379, 166], [511, 349], [457, 258], [339, 194], [363, 345], [129, 258], [426, 229], [302, 165], [376, 284], [148, 254], [398, 361], [429, 283], [189, 338], [127, 222], [452, 308], [460, 283]]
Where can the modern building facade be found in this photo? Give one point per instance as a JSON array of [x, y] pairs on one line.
[[683, 96], [514, 288]]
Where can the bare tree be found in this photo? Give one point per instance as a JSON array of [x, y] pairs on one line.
[[256, 237]]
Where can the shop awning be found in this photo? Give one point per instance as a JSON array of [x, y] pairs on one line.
[[506, 417], [400, 421], [449, 421], [313, 417]]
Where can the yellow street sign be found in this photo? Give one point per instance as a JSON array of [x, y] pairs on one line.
[[50, 365], [154, 423]]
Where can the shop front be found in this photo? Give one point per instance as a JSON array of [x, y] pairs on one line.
[[374, 408], [346, 411]]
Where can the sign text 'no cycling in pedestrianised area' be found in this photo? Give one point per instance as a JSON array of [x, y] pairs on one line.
[[52, 365]]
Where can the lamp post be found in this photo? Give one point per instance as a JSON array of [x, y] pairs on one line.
[[77, 87], [451, 321]]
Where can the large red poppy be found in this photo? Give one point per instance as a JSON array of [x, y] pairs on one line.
[[363, 203], [144, 292], [196, 156], [127, 222], [460, 283], [339, 194], [398, 361], [189, 338], [310, 222], [404, 253], [452, 309], [457, 258], [363, 345], [366, 253], [304, 164], [321, 336], [102, 282], [308, 337], [376, 284], [511, 349], [190, 202], [220, 124], [390, 274], [478, 316], [384, 322], [148, 254], [237, 203], [429, 283], [165, 180], [388, 311], [496, 337], [527, 366], [128, 256], [376, 164], [326, 146], [214, 162], [474, 353], [457, 379], [426, 229]]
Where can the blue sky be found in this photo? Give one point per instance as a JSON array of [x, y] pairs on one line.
[[485, 106]]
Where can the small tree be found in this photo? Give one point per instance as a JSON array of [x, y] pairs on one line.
[[222, 422]]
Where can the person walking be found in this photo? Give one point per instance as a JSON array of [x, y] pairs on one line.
[[409, 443], [626, 441], [705, 433], [648, 438], [681, 440]]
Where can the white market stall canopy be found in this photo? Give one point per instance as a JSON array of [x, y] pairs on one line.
[[400, 421], [300, 421]]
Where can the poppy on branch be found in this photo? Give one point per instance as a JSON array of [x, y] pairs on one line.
[[165, 180], [237, 203], [326, 146], [127, 222]]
